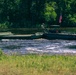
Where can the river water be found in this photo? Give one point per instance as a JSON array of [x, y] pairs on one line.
[[37, 46]]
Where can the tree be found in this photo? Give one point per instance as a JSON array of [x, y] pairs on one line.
[[50, 14]]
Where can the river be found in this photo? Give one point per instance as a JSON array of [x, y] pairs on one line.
[[37, 46]]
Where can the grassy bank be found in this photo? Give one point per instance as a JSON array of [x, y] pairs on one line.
[[34, 30], [37, 64]]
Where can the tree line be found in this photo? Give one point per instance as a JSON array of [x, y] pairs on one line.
[[32, 13]]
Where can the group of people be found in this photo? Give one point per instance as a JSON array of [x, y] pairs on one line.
[[53, 30]]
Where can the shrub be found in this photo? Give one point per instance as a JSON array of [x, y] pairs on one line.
[[1, 53]]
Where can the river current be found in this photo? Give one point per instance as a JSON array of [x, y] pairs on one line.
[[38, 46]]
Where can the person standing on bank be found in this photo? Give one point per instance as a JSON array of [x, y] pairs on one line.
[[43, 27]]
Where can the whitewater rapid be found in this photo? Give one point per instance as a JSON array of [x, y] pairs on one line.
[[37, 46]]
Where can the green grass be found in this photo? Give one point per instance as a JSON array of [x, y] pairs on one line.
[[33, 64], [71, 30], [34, 30]]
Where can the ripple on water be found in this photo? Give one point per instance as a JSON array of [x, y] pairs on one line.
[[38, 46]]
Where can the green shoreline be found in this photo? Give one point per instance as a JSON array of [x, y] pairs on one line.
[[37, 64]]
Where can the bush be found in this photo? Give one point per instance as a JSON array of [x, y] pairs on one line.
[[1, 53], [3, 25]]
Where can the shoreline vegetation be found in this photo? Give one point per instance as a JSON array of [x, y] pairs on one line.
[[35, 30], [32, 13], [37, 64]]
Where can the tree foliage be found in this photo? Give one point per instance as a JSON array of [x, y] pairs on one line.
[[31, 13]]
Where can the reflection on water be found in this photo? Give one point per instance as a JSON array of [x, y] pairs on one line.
[[38, 46]]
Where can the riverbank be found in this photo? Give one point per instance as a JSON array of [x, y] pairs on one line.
[[35, 30], [33, 64]]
